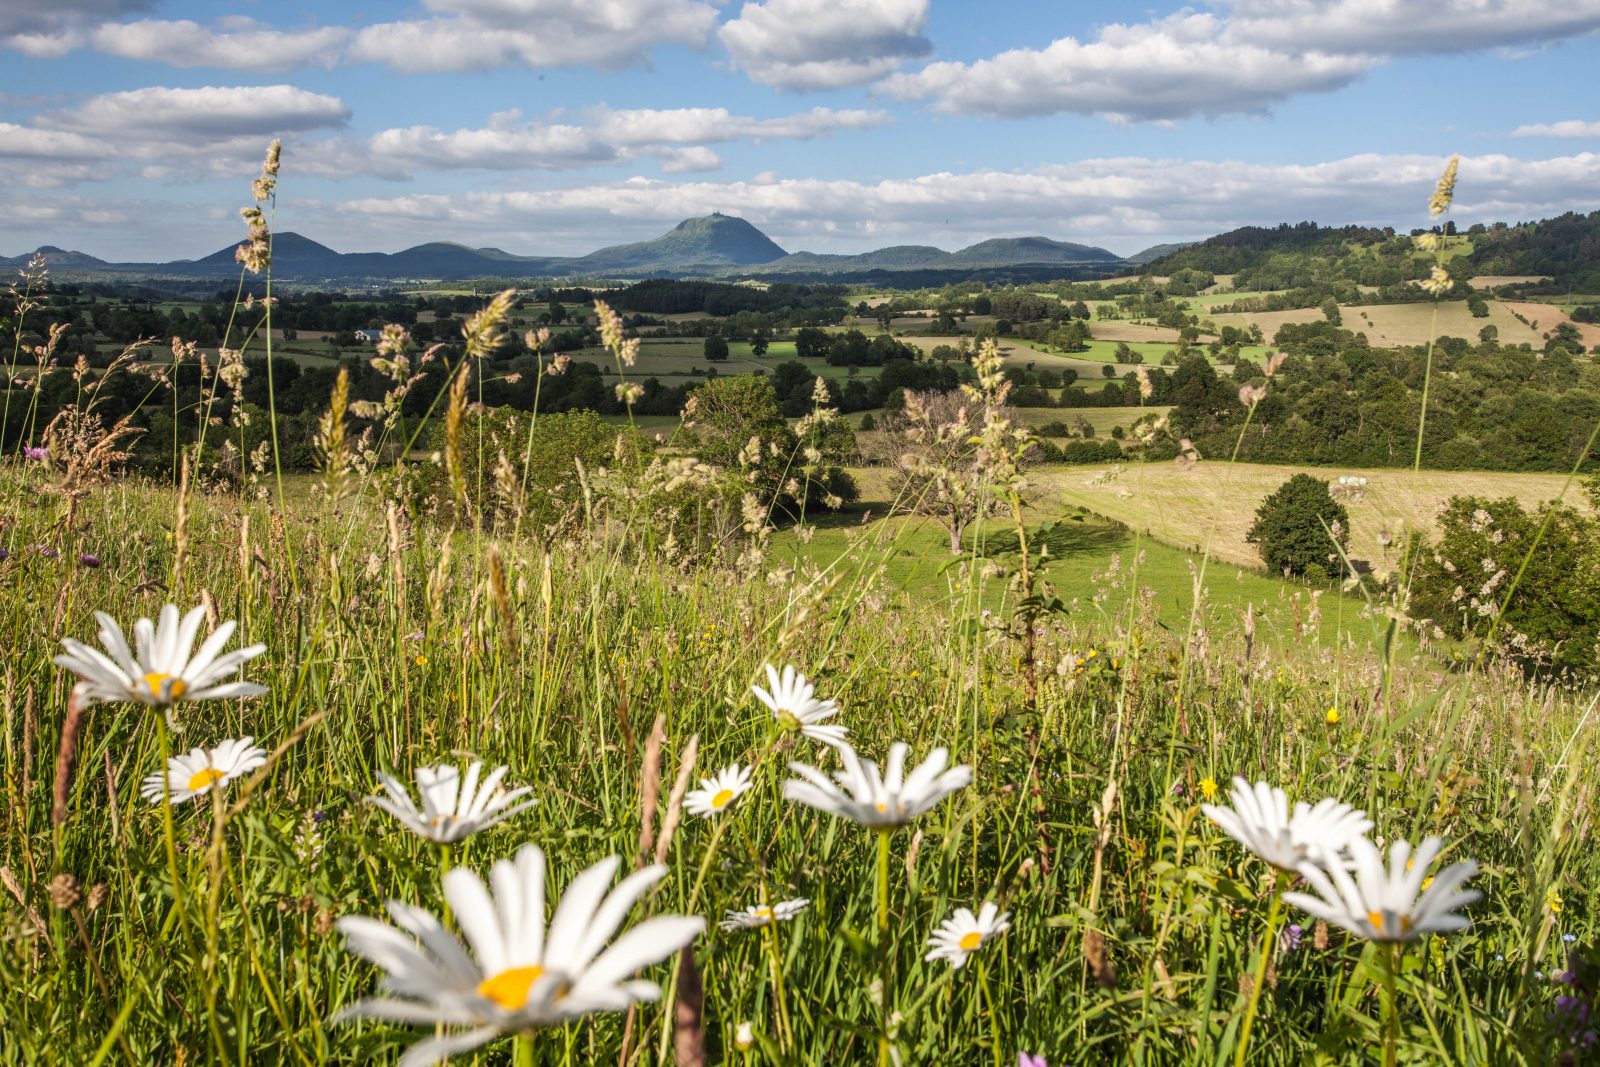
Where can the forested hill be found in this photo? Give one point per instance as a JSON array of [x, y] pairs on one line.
[[1566, 248]]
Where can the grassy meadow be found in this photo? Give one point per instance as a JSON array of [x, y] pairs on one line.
[[391, 644]]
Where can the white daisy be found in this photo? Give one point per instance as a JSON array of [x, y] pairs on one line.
[[795, 706], [1383, 905], [965, 933], [513, 975], [454, 807], [1259, 819], [718, 791], [158, 671], [199, 771], [889, 800], [759, 915]]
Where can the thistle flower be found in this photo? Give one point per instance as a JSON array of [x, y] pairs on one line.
[[757, 916], [793, 702], [1383, 905], [199, 772], [964, 933], [37, 455], [159, 671], [718, 791], [878, 801], [517, 976], [454, 806], [1259, 819]]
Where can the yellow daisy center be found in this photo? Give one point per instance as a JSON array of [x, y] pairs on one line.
[[722, 799], [509, 988], [763, 913], [882, 807], [970, 941], [202, 779], [155, 680]]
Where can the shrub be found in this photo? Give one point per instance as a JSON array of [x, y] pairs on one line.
[[1295, 525]]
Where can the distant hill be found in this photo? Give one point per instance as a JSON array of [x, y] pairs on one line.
[[56, 259], [711, 246], [714, 240], [995, 253], [1155, 252]]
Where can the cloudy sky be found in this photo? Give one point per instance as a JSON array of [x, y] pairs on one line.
[[130, 129]]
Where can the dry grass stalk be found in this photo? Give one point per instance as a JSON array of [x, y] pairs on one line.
[[680, 787], [67, 758], [688, 1027], [650, 788]]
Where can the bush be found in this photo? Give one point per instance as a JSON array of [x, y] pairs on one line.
[[1554, 618], [1292, 527], [541, 455]]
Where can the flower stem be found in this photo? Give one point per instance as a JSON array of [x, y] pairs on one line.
[[1274, 913], [883, 947], [522, 1050], [994, 1019], [1390, 957]]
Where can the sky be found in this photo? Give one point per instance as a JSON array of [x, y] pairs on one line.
[[131, 129]]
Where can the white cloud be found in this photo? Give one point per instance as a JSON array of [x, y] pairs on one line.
[[196, 117], [478, 34], [53, 16], [1568, 128], [676, 137], [1175, 68], [1396, 27], [825, 44], [232, 44], [1123, 203]]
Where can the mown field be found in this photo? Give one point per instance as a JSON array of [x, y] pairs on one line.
[[1213, 503]]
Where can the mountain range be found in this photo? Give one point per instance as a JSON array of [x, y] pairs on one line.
[[713, 245]]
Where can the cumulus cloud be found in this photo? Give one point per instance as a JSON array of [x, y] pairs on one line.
[[200, 116], [1241, 57], [1395, 27], [231, 44], [477, 34], [825, 44], [678, 138], [1123, 203], [1174, 68], [1568, 128]]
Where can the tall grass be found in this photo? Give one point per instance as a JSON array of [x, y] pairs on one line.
[[398, 638]]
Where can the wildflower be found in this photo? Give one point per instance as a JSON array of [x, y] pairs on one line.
[[1289, 940], [420, 661], [517, 976], [1029, 1059], [1333, 718], [89, 560], [1383, 905], [37, 455], [200, 771], [757, 916], [744, 1038], [964, 933], [1552, 900], [158, 671], [454, 806], [718, 791], [795, 706], [882, 802], [1208, 787], [1259, 819]]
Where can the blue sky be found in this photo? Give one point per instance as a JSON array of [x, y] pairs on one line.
[[130, 129]]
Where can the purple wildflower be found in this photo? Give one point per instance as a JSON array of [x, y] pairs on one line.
[[47, 552], [38, 455], [1029, 1059], [89, 560]]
